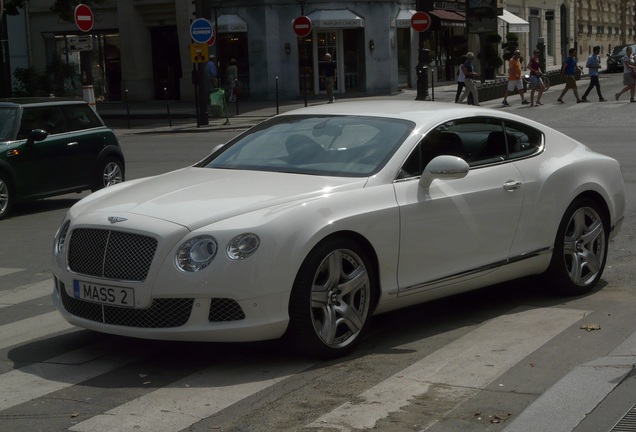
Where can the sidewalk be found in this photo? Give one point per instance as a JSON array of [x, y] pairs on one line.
[[177, 116]]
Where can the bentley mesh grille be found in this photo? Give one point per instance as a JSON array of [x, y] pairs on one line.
[[163, 313], [223, 309], [110, 254]]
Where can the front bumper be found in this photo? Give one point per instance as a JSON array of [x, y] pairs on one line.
[[180, 319]]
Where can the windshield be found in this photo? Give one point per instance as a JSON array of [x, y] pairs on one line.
[[8, 120], [349, 146], [620, 51]]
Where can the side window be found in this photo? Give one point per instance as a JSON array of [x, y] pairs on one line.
[[80, 117], [439, 141], [522, 140], [47, 118]]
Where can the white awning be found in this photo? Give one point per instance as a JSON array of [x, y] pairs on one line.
[[515, 24], [337, 18], [404, 18], [231, 24]]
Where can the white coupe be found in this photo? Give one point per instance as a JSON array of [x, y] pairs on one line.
[[308, 224]]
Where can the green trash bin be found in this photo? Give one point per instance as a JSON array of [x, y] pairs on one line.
[[217, 102]]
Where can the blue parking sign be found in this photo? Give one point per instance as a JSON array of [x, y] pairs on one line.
[[201, 30]]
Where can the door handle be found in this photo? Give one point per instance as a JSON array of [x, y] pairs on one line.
[[512, 185], [72, 143]]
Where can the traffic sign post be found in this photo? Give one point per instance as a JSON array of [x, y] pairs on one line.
[[420, 21], [84, 17], [201, 30], [302, 26]]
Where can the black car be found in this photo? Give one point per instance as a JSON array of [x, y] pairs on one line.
[[54, 146], [615, 58]]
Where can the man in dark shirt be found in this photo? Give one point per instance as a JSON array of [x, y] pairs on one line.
[[330, 76]]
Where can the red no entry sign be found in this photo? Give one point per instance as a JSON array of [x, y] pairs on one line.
[[302, 26], [420, 21], [84, 18]]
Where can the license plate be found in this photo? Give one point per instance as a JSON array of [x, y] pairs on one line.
[[104, 294]]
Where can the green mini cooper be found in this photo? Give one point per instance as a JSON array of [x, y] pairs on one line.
[[54, 146]]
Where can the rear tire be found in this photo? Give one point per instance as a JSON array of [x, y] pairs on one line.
[[6, 196], [110, 172], [580, 249], [332, 299]]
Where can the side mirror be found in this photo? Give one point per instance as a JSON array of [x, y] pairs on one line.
[[444, 167], [36, 135]]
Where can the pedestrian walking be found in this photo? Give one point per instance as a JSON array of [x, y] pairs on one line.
[[469, 75], [535, 79], [569, 68], [629, 68], [460, 81], [514, 79], [212, 73], [330, 77], [232, 78], [594, 64]]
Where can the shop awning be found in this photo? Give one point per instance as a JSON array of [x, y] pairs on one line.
[[515, 24], [403, 19], [231, 24], [449, 18], [336, 18]]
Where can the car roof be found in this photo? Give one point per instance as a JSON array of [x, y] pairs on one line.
[[423, 113], [39, 101]]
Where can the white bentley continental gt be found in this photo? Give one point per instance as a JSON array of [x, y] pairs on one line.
[[310, 223]]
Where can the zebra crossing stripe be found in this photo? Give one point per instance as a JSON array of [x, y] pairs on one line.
[[191, 399], [32, 328], [472, 361], [7, 271], [74, 367], [26, 293]]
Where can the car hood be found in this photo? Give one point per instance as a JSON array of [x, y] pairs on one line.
[[195, 197]]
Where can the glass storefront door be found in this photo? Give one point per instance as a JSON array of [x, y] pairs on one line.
[[327, 42]]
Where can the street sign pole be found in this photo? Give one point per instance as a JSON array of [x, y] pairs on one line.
[[201, 31], [421, 22], [302, 28]]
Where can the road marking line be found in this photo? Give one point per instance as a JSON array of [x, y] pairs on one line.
[[26, 293], [473, 361], [66, 370], [7, 271], [191, 399], [32, 328]]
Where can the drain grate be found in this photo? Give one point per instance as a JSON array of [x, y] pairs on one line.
[[627, 423]]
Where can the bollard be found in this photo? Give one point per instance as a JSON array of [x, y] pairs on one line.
[[277, 96], [127, 108], [236, 83], [165, 92]]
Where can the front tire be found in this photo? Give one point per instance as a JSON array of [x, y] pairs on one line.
[[110, 172], [580, 249], [6, 196], [332, 299]]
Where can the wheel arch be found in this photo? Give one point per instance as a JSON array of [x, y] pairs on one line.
[[368, 247], [601, 201]]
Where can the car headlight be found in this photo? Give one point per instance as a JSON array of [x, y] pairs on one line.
[[242, 246], [196, 254], [60, 238]]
